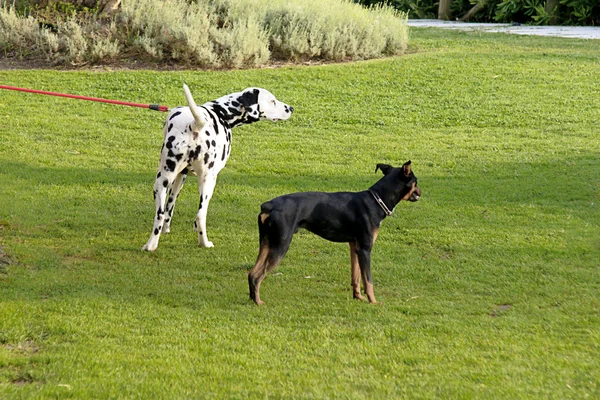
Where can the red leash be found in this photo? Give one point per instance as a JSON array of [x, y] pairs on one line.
[[154, 107]]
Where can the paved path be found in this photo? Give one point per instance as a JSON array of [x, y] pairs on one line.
[[582, 32]]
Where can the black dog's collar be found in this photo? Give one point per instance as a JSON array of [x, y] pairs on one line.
[[381, 203]]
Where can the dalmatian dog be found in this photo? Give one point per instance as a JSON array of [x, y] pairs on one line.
[[197, 141]]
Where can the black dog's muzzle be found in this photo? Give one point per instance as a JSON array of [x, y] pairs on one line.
[[416, 194]]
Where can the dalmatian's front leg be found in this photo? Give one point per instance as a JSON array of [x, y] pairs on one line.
[[174, 193], [160, 195], [206, 186]]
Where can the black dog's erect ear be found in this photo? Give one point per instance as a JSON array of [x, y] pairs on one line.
[[249, 98], [406, 168], [384, 168]]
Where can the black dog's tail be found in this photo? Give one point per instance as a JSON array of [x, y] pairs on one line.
[[266, 207], [272, 230], [264, 221]]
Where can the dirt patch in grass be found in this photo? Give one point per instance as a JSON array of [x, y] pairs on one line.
[[14, 371], [19, 377], [26, 348], [23, 379], [500, 310], [4, 260], [9, 63], [13, 63]]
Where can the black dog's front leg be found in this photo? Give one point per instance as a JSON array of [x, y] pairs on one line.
[[355, 271], [364, 260]]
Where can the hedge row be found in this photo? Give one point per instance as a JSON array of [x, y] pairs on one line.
[[205, 33]]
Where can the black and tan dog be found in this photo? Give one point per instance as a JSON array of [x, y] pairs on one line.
[[339, 217]]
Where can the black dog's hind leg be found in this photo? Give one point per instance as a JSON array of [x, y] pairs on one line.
[[274, 244], [255, 273]]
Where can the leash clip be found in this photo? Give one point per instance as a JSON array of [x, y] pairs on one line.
[[381, 203]]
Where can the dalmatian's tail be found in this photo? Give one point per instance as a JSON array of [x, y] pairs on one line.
[[200, 122]]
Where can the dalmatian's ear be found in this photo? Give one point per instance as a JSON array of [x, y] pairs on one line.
[[385, 168], [249, 98]]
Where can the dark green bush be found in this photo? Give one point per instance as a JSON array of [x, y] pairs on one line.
[[568, 12]]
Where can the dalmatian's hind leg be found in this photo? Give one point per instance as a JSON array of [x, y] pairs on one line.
[[206, 187]]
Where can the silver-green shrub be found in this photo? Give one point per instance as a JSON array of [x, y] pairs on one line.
[[332, 30], [213, 33], [23, 36], [172, 29]]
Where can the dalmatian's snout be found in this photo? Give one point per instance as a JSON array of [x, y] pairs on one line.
[[288, 110]]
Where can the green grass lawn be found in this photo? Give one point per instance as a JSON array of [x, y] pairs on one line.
[[489, 287]]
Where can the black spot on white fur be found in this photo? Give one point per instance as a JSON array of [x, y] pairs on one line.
[[193, 155], [170, 165], [170, 140], [215, 124]]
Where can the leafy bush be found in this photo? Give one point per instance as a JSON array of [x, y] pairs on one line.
[[580, 12], [207, 33], [568, 12], [424, 9]]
